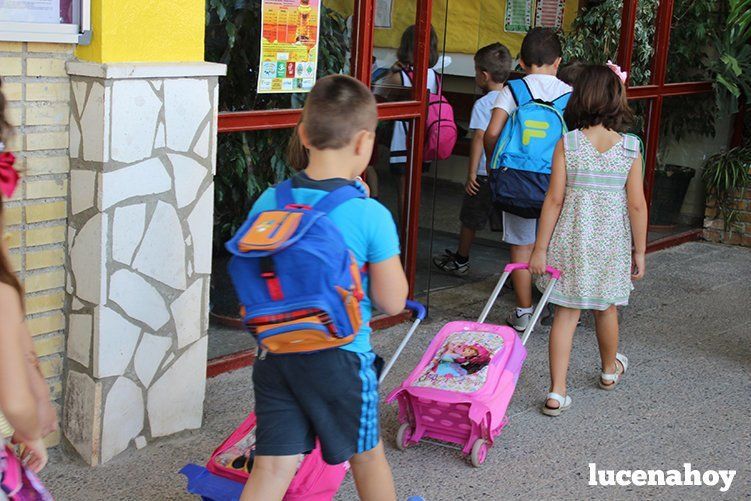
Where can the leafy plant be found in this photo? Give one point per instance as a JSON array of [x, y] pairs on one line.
[[694, 24], [732, 65], [249, 162], [726, 175], [596, 31], [693, 21]]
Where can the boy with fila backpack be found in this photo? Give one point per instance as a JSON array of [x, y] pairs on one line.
[[313, 254], [526, 124]]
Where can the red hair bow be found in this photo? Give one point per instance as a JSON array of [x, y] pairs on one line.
[[8, 175]]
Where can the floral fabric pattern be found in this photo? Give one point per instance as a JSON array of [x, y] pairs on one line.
[[591, 243], [461, 363]]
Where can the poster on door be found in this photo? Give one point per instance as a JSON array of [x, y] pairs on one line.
[[30, 11], [289, 46], [549, 13], [518, 18], [383, 14]]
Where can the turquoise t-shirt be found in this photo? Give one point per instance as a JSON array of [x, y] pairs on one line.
[[367, 227]]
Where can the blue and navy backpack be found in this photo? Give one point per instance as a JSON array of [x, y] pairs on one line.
[[521, 161], [298, 283]]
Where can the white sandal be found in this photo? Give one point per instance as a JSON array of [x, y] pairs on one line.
[[609, 381], [563, 404]]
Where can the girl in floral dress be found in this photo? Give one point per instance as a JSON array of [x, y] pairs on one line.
[[593, 213]]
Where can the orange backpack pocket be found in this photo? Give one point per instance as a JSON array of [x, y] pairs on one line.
[[270, 231], [298, 331]]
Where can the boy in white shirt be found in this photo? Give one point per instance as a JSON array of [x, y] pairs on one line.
[[492, 68], [540, 57]]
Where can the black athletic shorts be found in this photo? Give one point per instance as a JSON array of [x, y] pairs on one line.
[[331, 395], [478, 209]]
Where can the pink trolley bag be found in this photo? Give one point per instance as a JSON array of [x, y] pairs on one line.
[[315, 480], [228, 469], [461, 389]]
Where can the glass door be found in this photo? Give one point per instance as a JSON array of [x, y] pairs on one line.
[[255, 126]]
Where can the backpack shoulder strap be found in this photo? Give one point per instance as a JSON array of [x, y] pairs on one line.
[[520, 91], [571, 140], [561, 102], [337, 198], [631, 146], [283, 193], [438, 82]]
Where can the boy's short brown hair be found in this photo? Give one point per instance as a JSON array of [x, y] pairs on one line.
[[496, 60], [540, 47], [337, 108], [599, 98]]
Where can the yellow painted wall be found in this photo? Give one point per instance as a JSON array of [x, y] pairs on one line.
[[145, 31], [471, 24]]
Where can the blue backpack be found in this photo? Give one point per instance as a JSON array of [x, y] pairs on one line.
[[298, 283], [521, 161]]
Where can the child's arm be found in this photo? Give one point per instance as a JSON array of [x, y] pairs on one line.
[[47, 414], [493, 132], [17, 400], [388, 285], [551, 210], [475, 153], [637, 214]]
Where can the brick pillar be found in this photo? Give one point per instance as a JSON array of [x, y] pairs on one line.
[[143, 148]]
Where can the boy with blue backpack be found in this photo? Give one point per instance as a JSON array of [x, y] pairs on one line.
[[526, 124], [313, 254], [492, 68]]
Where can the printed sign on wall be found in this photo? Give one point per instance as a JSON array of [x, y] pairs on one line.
[[289, 46], [383, 13], [518, 17], [550, 13]]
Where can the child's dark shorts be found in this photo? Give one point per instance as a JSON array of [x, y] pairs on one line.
[[331, 395], [478, 209]]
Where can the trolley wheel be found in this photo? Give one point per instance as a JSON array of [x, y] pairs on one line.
[[479, 452], [403, 435]]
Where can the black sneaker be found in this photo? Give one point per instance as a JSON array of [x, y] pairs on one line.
[[447, 262]]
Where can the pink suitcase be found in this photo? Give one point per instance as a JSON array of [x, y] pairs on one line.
[[461, 389]]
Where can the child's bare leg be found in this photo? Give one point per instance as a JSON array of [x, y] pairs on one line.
[[561, 339], [269, 478], [466, 237], [373, 475], [522, 279], [606, 326]]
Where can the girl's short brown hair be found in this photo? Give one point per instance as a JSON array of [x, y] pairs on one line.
[[599, 98]]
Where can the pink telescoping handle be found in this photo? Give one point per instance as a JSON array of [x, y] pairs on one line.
[[553, 272], [554, 276], [419, 312]]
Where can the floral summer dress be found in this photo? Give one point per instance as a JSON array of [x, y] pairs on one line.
[[591, 243]]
